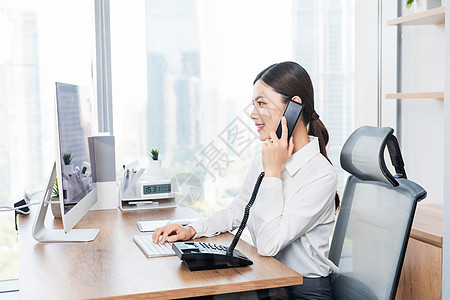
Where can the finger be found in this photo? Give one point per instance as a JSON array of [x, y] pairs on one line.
[[291, 146], [274, 137], [267, 142], [166, 233], [284, 129], [175, 237], [155, 236]]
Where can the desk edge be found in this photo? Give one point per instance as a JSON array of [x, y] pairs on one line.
[[217, 289]]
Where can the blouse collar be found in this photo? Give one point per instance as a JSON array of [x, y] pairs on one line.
[[302, 156]]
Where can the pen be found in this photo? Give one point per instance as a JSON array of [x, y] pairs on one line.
[[136, 177]]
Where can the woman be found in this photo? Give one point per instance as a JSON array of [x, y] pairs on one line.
[[293, 215]]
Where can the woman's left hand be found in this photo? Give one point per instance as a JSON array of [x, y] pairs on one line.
[[276, 152]]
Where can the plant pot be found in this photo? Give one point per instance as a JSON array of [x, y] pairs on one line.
[[423, 5], [68, 169], [56, 207], [155, 170]]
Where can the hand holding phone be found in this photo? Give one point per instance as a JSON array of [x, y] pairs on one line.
[[275, 151], [291, 113]]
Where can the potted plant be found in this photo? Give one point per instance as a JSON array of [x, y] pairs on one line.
[[67, 159], [154, 153], [155, 170], [56, 208]]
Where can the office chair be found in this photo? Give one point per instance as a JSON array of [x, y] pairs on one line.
[[377, 211]]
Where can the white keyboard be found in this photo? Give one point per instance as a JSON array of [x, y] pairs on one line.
[[150, 249]]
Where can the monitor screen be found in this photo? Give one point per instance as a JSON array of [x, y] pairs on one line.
[[75, 125]]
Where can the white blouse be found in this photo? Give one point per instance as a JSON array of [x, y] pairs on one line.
[[292, 218]]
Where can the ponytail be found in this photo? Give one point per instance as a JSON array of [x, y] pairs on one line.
[[318, 129]]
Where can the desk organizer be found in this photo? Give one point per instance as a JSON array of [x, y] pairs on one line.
[[147, 195]]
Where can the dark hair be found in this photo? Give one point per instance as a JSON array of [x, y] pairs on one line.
[[289, 79]]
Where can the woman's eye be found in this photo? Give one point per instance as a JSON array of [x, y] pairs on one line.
[[260, 103]]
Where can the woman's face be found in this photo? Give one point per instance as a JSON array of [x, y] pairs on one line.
[[268, 109]]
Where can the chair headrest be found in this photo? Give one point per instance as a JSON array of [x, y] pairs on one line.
[[363, 155]]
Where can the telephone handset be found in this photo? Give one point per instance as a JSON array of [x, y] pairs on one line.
[[292, 113], [205, 256]]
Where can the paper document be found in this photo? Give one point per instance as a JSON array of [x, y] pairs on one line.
[[151, 225]]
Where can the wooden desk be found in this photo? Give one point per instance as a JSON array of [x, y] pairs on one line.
[[421, 276], [113, 266]]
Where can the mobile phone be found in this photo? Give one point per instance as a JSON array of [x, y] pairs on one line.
[[292, 113]]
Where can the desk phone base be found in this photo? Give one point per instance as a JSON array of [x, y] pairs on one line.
[[205, 256]]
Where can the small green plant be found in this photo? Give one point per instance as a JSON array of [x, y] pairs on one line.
[[153, 154], [408, 3], [55, 190], [67, 158]]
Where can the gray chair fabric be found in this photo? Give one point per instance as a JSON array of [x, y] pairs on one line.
[[373, 225]]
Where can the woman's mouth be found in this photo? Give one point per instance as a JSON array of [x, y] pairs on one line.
[[260, 127]]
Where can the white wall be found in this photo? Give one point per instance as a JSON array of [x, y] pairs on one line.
[[446, 242]]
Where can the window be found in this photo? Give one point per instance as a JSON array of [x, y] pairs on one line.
[[41, 43], [182, 73], [182, 76]]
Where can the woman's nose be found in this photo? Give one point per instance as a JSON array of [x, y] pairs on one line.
[[254, 113]]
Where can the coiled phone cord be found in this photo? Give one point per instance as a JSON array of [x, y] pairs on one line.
[[246, 214]]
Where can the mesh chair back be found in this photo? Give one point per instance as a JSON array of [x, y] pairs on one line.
[[375, 218]]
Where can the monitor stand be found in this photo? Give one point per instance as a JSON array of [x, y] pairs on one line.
[[43, 234]]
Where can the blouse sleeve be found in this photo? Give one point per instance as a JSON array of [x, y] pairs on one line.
[[230, 217], [281, 221]]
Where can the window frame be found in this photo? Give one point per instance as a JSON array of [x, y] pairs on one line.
[[102, 73]]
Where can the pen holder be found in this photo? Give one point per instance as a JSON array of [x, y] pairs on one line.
[[128, 189]]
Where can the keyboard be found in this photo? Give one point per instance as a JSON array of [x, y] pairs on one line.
[[144, 242]]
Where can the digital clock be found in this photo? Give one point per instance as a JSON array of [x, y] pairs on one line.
[[157, 188]]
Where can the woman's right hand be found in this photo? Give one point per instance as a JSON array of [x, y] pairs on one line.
[[173, 232]]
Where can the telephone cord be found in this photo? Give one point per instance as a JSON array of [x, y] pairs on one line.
[[246, 215]]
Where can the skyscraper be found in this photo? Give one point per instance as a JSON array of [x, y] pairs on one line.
[[173, 78]]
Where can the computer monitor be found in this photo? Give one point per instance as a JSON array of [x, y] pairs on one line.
[[77, 191]]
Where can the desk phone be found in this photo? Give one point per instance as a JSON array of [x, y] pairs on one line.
[[205, 256]]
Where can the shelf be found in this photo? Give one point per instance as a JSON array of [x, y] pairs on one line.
[[163, 204], [432, 95], [427, 226], [429, 17]]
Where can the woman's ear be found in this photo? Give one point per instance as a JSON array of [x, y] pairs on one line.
[[297, 99]]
